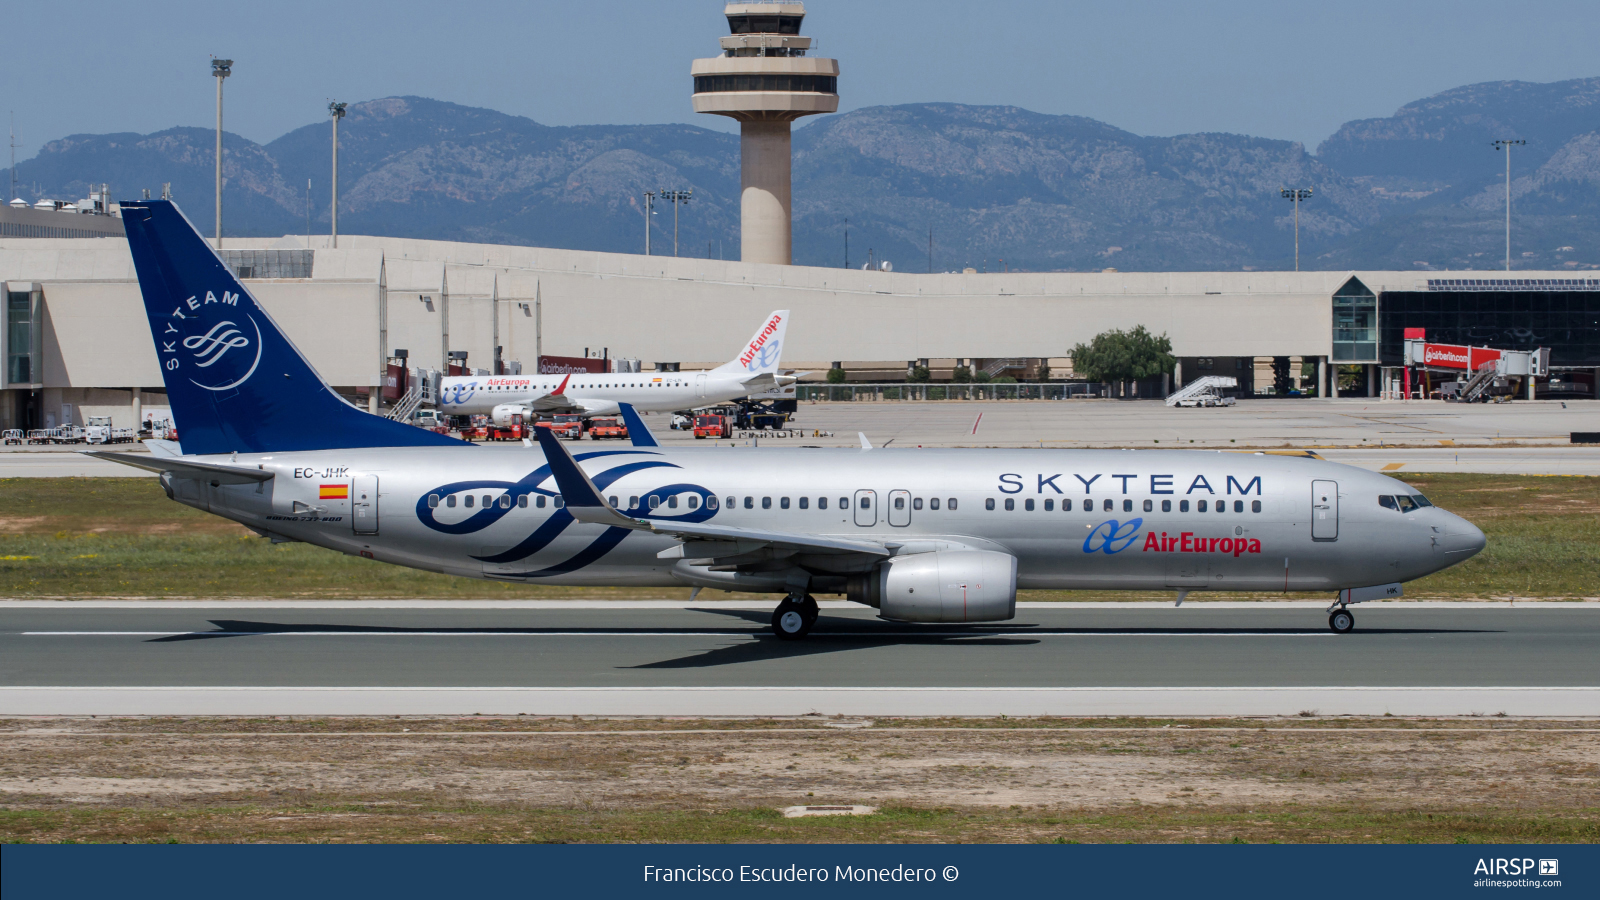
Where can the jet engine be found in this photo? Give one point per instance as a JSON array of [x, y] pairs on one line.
[[502, 414], [944, 586]]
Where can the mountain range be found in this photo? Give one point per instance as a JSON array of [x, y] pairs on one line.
[[996, 186]]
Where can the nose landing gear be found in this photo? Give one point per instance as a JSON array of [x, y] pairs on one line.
[[794, 617], [1341, 621]]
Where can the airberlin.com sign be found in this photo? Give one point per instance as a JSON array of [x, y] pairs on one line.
[[1454, 356]]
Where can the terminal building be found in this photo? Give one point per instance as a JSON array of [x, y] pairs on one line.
[[78, 342]]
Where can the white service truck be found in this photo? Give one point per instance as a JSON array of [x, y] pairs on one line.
[[100, 431]]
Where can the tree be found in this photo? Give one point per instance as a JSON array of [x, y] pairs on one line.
[[1124, 356], [918, 374], [836, 376]]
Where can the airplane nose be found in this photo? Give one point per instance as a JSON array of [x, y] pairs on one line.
[[1461, 539]]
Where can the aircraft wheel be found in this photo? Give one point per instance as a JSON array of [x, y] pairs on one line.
[[789, 621], [809, 608], [1342, 621]]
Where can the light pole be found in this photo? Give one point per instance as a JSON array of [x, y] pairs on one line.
[[221, 68], [336, 110], [676, 197], [1506, 144], [1296, 195], [649, 210]]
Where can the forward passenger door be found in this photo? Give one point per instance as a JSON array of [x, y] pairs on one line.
[[1324, 510]]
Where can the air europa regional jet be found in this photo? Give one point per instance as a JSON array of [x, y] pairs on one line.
[[754, 371], [920, 535]]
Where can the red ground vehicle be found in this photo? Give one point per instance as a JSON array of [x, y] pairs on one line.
[[569, 427], [712, 427], [602, 429], [513, 432]]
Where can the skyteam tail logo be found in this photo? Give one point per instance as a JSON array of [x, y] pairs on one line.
[[1112, 537], [213, 347], [195, 340]]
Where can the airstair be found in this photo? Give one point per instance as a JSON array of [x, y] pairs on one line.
[[1478, 385], [1203, 392], [408, 403]]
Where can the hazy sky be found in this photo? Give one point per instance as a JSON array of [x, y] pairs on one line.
[[1274, 68]]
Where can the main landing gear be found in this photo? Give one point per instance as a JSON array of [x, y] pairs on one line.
[[794, 617], [1342, 621]]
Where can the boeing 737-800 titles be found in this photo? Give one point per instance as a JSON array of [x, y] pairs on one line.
[[754, 371], [921, 535]]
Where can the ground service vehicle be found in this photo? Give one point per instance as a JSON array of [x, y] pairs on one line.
[[933, 536], [101, 431], [607, 429], [712, 426], [568, 426]]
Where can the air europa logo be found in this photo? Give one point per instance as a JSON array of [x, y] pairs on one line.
[[763, 351], [1112, 536]]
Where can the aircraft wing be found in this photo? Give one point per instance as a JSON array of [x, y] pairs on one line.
[[586, 504], [556, 401], [186, 468]]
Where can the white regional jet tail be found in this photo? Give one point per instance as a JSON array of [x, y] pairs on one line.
[[760, 355]]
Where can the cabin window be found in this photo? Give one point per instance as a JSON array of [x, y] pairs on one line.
[[561, 502], [540, 502], [822, 503], [450, 500], [433, 501], [467, 501], [844, 502], [783, 502], [766, 502], [1010, 504], [672, 502], [711, 502], [917, 503], [1049, 505], [1183, 506], [1238, 506], [1166, 506], [1200, 506], [1108, 506], [633, 502], [951, 504], [988, 503], [1127, 506], [694, 501], [1027, 505], [733, 503], [487, 501], [933, 503], [654, 501], [613, 500], [1066, 506], [1255, 506], [505, 501], [1149, 506], [749, 503], [522, 501], [899, 503], [805, 502]]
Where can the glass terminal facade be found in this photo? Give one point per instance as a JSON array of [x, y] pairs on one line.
[[22, 337], [1506, 313], [1355, 323]]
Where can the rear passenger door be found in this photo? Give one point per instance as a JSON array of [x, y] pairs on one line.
[[866, 505], [900, 508]]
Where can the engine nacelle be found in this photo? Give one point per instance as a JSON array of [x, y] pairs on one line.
[[501, 415], [944, 586]]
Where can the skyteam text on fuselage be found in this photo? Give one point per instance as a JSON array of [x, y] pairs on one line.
[[754, 371], [921, 535]]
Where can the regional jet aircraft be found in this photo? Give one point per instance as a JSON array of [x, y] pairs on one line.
[[753, 371], [920, 535]]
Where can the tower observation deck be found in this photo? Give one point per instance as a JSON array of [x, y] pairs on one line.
[[765, 80]]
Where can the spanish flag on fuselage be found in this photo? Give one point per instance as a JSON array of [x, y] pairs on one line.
[[334, 492]]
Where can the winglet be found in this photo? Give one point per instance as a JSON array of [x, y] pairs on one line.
[[583, 500], [865, 444], [562, 389], [637, 432]]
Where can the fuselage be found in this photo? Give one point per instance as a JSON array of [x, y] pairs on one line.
[[597, 394], [1074, 519]]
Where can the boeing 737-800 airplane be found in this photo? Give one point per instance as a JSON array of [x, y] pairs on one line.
[[921, 535], [754, 371]]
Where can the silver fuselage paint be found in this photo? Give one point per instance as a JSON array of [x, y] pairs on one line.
[[1087, 547]]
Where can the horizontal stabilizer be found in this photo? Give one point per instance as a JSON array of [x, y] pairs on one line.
[[185, 468]]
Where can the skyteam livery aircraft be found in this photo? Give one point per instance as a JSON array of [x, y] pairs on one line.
[[503, 396], [920, 535]]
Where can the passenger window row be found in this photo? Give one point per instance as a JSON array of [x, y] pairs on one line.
[[822, 503], [504, 501], [1220, 506]]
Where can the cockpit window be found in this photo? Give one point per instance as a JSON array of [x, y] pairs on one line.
[[1406, 503], [1420, 500], [1387, 502]]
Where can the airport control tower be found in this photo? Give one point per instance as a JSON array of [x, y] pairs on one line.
[[765, 80]]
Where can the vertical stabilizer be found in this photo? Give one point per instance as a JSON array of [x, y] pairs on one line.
[[234, 381], [762, 352]]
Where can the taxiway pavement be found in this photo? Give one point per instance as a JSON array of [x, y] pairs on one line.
[[719, 659]]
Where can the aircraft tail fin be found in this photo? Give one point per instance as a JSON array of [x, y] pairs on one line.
[[234, 381], [762, 352], [638, 432]]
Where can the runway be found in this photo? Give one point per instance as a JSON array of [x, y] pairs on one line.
[[719, 659]]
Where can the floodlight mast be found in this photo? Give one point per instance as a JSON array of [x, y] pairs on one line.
[[1506, 145], [221, 69], [1296, 195], [676, 197], [336, 110]]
